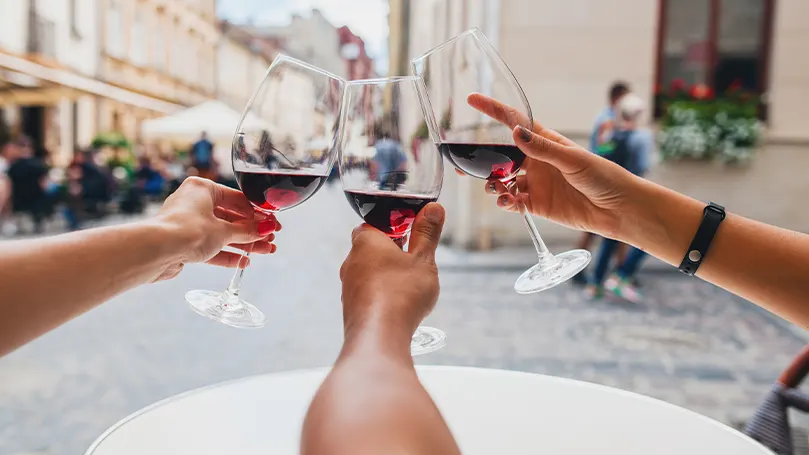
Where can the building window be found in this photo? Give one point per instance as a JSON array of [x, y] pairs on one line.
[[114, 32], [158, 40], [719, 43], [177, 51], [74, 19], [137, 40]]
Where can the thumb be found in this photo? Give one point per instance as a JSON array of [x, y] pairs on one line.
[[567, 159], [426, 231]]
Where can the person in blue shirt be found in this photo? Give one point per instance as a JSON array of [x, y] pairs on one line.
[[389, 160], [630, 147], [599, 143], [202, 157]]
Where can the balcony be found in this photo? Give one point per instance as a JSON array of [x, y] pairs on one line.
[[42, 37]]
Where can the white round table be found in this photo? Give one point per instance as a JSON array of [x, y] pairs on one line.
[[489, 411]]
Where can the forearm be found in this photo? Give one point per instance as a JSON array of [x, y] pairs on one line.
[[372, 402], [46, 282], [764, 264]]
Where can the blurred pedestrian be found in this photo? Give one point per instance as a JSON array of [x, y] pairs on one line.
[[631, 148], [74, 210], [173, 172], [600, 143], [150, 182], [8, 153], [28, 175], [389, 161], [202, 157]]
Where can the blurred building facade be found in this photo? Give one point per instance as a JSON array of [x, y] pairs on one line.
[[72, 69], [566, 54], [242, 61], [352, 49], [162, 49], [313, 39]]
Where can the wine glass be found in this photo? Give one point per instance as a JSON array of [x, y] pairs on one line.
[[387, 173], [482, 147], [283, 151]]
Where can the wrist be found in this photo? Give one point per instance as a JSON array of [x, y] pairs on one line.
[[380, 332], [660, 221], [168, 240]]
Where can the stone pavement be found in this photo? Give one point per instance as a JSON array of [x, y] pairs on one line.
[[690, 343]]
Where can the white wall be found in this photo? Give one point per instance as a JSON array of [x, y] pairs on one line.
[[565, 54], [80, 53], [235, 73], [789, 86], [13, 25]]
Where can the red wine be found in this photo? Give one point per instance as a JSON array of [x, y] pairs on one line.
[[485, 161], [273, 190], [391, 213]]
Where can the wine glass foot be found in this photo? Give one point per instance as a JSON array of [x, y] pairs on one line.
[[427, 340], [544, 276], [227, 309]]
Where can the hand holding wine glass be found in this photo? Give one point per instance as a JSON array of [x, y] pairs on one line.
[[385, 183], [208, 217], [282, 153], [562, 182], [378, 277], [482, 148]]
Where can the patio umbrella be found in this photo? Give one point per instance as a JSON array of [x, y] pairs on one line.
[[214, 117]]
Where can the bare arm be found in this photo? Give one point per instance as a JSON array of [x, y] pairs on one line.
[[563, 182], [372, 401], [47, 282], [764, 264]]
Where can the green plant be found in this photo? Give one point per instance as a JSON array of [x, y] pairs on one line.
[[422, 132], [112, 139], [446, 120], [697, 125]]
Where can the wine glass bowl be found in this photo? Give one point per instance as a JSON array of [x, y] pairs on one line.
[[480, 146], [388, 169], [282, 153]]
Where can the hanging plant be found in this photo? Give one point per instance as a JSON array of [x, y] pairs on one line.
[[698, 125]]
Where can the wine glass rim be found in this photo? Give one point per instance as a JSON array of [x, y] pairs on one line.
[[472, 31], [286, 58], [384, 80]]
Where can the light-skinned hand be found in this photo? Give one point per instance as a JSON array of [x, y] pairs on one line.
[[207, 217]]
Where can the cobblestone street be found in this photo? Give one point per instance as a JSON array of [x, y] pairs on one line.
[[690, 343]]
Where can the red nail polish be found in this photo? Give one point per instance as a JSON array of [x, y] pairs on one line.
[[266, 227]]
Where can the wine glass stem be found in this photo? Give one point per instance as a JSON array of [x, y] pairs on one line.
[[236, 281], [230, 297], [543, 253]]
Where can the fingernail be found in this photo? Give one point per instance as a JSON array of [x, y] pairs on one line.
[[491, 187], [266, 227], [525, 135], [502, 201], [434, 213]]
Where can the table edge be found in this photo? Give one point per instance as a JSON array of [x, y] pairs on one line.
[[160, 403], [107, 433]]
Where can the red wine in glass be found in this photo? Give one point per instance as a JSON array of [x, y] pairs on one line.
[[278, 190], [484, 161], [391, 213]]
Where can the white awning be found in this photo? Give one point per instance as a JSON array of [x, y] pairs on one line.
[[85, 84], [213, 117]]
